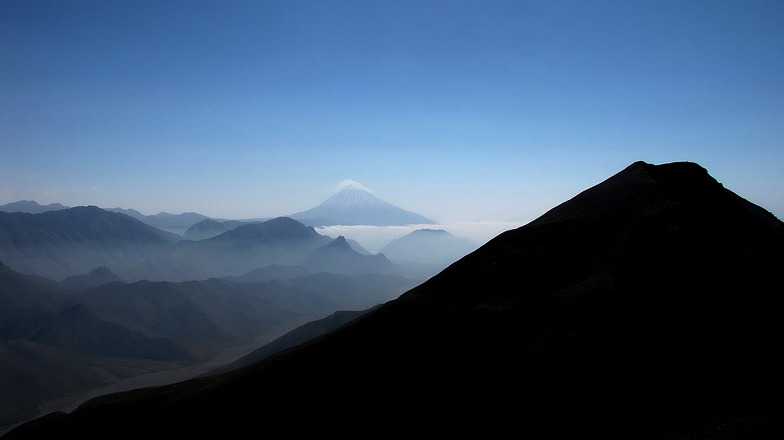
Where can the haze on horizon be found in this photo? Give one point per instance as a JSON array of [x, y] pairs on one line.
[[458, 111]]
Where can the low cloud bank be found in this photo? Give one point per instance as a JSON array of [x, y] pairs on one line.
[[373, 238]]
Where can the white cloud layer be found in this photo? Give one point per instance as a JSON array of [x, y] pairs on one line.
[[373, 238]]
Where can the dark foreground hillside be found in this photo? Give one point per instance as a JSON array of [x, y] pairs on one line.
[[649, 306]]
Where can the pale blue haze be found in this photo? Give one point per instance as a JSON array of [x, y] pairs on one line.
[[455, 110]]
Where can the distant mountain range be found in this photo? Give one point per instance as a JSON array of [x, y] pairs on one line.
[[30, 207], [175, 223], [647, 306], [281, 241], [75, 241], [355, 206], [351, 205], [136, 298]]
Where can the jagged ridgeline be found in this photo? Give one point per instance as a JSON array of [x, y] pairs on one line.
[[647, 306]]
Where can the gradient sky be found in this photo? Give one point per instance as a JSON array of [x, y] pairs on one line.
[[459, 111]]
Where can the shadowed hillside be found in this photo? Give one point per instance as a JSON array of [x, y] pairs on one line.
[[59, 341], [648, 306]]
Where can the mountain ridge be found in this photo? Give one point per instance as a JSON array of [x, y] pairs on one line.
[[76, 240], [31, 207]]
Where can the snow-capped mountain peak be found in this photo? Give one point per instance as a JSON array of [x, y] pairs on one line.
[[354, 204]]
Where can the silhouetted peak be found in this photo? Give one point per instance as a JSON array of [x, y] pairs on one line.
[[641, 188], [674, 174]]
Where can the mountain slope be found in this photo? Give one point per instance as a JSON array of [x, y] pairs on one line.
[[648, 306], [355, 206], [293, 338]]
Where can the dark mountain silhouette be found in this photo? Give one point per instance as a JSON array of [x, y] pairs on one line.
[[644, 307], [355, 206], [339, 257], [30, 207], [425, 252], [74, 241]]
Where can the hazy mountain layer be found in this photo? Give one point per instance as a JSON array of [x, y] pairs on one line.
[[62, 243], [57, 342], [644, 307], [339, 257], [281, 241], [174, 223], [425, 252], [31, 207], [209, 228]]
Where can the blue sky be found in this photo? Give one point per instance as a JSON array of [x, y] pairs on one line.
[[459, 111]]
